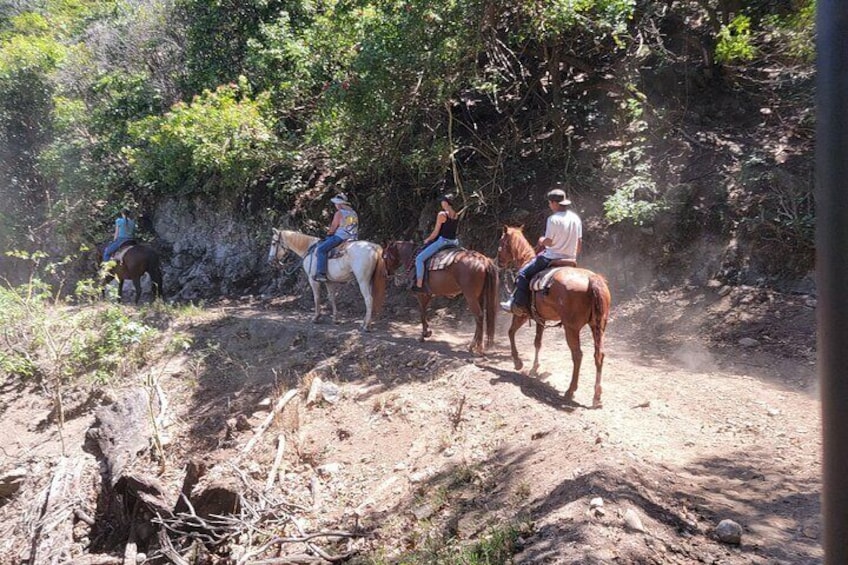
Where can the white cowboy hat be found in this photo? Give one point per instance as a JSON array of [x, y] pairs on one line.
[[339, 199]]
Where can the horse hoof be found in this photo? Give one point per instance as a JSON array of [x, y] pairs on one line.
[[519, 365], [427, 334], [422, 338]]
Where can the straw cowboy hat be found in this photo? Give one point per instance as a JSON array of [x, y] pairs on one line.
[[558, 195], [340, 199]]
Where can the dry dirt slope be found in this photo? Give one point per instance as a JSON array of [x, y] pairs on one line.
[[427, 442]]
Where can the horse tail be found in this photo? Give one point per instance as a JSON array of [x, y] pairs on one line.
[[154, 269], [490, 300], [600, 302], [378, 283]]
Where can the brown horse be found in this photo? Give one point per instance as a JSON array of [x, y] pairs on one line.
[[138, 259], [472, 274], [576, 297]]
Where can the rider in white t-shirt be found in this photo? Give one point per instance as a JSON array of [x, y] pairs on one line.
[[562, 241]]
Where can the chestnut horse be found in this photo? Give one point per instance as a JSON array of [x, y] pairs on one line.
[[576, 297], [140, 258], [472, 274]]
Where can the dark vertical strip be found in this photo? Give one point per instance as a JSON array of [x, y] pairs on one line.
[[832, 268]]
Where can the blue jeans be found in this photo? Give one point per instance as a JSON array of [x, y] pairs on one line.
[[321, 253], [112, 247], [429, 251], [521, 294]]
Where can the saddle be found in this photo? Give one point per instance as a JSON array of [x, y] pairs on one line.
[[118, 255], [339, 250], [444, 258], [542, 281]]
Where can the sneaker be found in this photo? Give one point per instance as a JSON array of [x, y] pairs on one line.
[[320, 278], [515, 309]]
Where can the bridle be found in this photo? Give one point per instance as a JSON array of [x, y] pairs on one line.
[[278, 259], [401, 274]]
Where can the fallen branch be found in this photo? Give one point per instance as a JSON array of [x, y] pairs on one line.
[[278, 459], [281, 403]]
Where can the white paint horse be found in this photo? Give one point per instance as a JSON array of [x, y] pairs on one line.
[[361, 260]]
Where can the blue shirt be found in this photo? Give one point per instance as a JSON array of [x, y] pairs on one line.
[[126, 228]]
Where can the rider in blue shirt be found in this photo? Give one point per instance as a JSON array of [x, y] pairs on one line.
[[124, 231]]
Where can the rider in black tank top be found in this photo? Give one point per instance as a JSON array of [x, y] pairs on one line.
[[443, 235], [448, 229]]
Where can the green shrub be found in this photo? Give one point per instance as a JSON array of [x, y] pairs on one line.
[[216, 145], [734, 41]]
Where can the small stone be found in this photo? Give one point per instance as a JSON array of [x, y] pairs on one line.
[[748, 342], [329, 469], [729, 532], [423, 511], [631, 518], [596, 502], [242, 423]]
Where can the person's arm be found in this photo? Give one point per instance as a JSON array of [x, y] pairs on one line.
[[115, 236], [546, 240], [579, 247], [334, 225], [440, 219]]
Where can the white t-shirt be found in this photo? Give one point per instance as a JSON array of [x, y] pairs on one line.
[[565, 230]]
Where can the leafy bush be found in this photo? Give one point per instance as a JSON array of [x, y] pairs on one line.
[[734, 41], [49, 339], [216, 145]]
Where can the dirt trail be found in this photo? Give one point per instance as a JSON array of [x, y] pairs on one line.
[[426, 438]]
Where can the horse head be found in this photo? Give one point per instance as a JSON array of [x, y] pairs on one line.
[[397, 255], [512, 247], [278, 251]]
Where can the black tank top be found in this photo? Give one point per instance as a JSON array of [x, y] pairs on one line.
[[448, 229]]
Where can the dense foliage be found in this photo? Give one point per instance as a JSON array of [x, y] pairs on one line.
[[109, 103]]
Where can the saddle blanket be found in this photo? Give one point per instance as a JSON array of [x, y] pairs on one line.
[[118, 255], [444, 258], [340, 250], [575, 279]]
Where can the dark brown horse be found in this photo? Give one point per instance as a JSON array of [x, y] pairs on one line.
[[575, 297], [138, 259], [472, 274]]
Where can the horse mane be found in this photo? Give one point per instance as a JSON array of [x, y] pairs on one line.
[[520, 247], [297, 239]]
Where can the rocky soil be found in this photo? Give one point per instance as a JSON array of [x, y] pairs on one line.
[[710, 414]]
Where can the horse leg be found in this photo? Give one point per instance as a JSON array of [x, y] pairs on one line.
[[423, 302], [365, 290], [476, 345], [332, 291], [572, 336], [137, 284], [517, 322], [598, 338], [106, 280], [316, 295], [537, 343], [120, 290]]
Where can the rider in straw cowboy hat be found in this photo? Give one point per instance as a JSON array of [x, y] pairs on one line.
[[345, 226], [562, 241]]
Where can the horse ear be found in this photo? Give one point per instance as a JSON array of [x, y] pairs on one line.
[[521, 227]]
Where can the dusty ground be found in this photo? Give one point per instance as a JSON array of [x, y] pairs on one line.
[[427, 442]]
